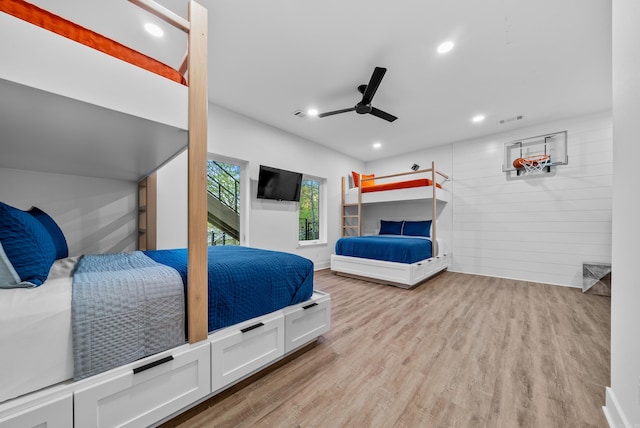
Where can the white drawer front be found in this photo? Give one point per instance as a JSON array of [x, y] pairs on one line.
[[241, 350], [424, 269], [442, 262], [437, 263], [50, 413], [125, 399], [307, 321]]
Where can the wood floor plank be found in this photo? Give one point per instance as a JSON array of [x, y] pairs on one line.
[[457, 351]]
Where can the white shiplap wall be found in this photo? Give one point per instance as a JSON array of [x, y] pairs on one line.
[[535, 228]]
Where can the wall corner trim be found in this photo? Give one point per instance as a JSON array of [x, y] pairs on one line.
[[613, 412]]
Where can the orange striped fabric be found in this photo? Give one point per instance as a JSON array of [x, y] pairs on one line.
[[47, 20], [420, 182]]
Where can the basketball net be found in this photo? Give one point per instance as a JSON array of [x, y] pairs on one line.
[[535, 164]]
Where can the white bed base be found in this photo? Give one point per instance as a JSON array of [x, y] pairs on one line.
[[397, 195], [73, 69], [158, 387], [401, 275], [84, 92]]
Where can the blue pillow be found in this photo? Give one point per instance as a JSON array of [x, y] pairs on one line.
[[62, 250], [390, 227], [27, 245], [417, 228]]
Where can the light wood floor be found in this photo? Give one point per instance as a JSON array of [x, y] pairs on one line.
[[457, 351]]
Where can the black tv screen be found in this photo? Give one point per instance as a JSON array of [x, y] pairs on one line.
[[279, 184]]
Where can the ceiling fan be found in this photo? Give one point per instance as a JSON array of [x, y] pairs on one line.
[[367, 91]]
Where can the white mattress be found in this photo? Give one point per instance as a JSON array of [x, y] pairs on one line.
[[35, 332]]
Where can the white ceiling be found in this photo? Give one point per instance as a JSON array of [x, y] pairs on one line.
[[543, 59]]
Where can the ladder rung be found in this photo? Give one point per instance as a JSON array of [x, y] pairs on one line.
[[350, 227], [351, 216], [351, 205]]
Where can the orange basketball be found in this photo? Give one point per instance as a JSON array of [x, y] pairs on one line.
[[518, 163]]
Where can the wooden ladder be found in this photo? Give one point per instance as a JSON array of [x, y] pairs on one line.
[[346, 216]]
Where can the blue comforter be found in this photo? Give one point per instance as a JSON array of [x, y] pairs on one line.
[[245, 283], [390, 248]]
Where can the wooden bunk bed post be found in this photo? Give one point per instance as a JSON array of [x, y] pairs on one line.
[[344, 213], [345, 216], [196, 28], [434, 245], [197, 164], [360, 209]]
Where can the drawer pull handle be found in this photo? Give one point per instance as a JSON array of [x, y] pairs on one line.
[[252, 327], [310, 306], [153, 364]]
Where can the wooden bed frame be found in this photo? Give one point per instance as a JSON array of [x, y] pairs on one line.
[[402, 275], [158, 387], [197, 65]]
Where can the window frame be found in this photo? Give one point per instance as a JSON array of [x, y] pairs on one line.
[[322, 213]]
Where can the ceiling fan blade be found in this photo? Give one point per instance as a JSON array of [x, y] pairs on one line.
[[372, 87], [331, 113], [382, 114]]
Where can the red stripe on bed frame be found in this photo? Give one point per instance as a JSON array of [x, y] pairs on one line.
[[47, 20]]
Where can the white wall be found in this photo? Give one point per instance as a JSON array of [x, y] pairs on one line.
[[536, 228], [271, 224], [96, 215], [171, 217], [530, 228], [623, 398]]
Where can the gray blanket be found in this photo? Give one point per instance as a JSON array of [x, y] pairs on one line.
[[124, 307]]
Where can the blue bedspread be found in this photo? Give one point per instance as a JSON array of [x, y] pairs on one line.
[[390, 248], [245, 283]]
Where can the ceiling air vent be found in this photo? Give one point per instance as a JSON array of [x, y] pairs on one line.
[[511, 119], [300, 114]]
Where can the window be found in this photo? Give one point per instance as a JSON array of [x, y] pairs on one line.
[[223, 186], [309, 214]]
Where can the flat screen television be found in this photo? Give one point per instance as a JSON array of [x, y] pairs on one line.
[[279, 184]]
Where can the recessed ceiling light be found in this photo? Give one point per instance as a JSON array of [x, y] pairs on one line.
[[445, 47], [153, 29], [312, 112], [377, 145], [478, 118]]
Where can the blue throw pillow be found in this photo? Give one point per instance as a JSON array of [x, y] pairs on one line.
[[417, 228], [390, 227], [62, 250], [27, 245]]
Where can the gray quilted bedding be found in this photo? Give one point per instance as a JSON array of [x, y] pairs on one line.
[[125, 307]]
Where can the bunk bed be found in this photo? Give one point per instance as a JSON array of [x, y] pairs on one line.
[[404, 253], [89, 128]]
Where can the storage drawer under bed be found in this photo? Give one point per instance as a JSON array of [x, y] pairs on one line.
[[306, 321], [49, 408], [144, 392], [240, 350]]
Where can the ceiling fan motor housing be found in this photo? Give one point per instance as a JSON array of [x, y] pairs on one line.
[[363, 108]]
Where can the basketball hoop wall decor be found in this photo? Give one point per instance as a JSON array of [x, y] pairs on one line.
[[536, 155]]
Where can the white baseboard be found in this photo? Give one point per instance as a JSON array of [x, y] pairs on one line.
[[325, 264], [613, 412]]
